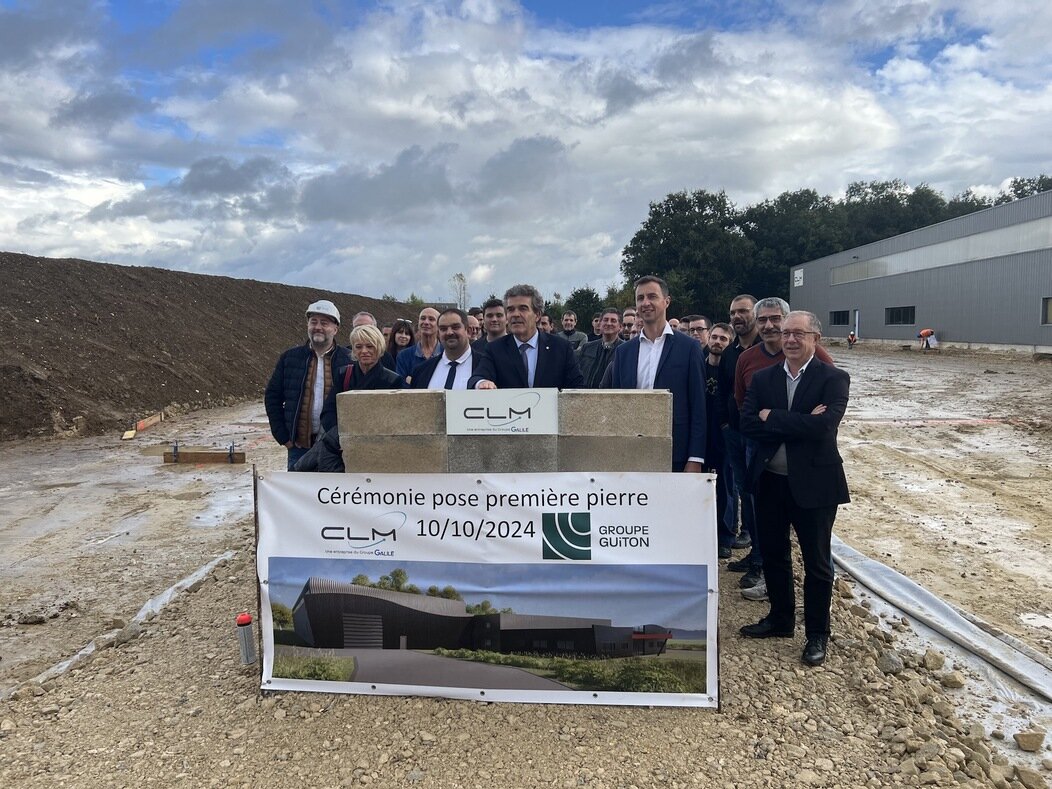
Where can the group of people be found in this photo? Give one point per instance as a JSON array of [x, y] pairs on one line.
[[755, 400]]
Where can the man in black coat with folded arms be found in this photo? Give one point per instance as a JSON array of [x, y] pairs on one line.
[[527, 358], [792, 411]]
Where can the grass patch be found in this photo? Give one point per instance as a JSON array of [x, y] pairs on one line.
[[686, 645], [640, 675], [327, 669]]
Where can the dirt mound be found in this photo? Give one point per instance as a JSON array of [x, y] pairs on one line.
[[93, 347]]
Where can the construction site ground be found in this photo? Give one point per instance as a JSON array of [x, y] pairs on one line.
[[949, 457]]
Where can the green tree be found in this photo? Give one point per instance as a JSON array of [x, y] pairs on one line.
[[619, 295], [586, 303], [966, 203], [361, 580], [415, 302], [282, 616], [789, 230], [693, 241], [1024, 187], [450, 593]]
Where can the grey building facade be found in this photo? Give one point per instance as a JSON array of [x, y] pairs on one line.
[[982, 280], [338, 615]]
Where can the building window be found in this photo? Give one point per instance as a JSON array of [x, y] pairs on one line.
[[1046, 311], [899, 316], [564, 646], [839, 318]]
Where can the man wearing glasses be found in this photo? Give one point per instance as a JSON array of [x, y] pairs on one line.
[[697, 326], [769, 314], [791, 411]]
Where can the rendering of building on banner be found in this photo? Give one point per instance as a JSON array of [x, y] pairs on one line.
[[962, 278], [338, 615]]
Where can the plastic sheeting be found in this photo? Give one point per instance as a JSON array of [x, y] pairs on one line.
[[1000, 650], [150, 609]]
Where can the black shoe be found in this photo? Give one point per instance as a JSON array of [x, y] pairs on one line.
[[743, 540], [766, 629], [724, 552], [751, 578], [739, 566], [815, 650]]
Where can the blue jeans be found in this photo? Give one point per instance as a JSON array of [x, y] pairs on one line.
[[734, 445], [295, 454]]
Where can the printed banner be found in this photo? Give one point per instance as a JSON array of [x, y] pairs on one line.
[[568, 588]]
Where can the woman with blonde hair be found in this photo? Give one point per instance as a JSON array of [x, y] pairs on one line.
[[366, 372]]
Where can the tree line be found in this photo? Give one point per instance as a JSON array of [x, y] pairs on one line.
[[709, 249]]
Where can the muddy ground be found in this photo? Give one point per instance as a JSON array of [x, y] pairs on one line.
[[91, 347], [950, 461]]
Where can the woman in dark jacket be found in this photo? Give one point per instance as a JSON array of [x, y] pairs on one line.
[[366, 372], [401, 338]]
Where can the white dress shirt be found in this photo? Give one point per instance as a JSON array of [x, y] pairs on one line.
[[649, 356], [460, 381]]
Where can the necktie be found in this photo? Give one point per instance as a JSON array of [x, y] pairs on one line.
[[525, 361], [451, 375]]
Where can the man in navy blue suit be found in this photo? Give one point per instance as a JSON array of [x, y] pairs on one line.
[[458, 362], [661, 358], [527, 358]]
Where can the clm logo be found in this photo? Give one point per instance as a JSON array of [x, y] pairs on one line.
[[520, 408], [567, 535], [375, 536]]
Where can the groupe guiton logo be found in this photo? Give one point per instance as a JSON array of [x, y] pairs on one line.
[[519, 409], [567, 535]]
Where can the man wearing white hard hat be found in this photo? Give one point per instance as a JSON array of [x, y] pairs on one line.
[[301, 380]]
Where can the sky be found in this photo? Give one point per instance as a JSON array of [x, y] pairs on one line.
[[384, 147]]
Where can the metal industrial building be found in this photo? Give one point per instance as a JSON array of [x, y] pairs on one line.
[[336, 614], [981, 280]]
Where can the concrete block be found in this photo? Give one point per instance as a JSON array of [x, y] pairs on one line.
[[615, 412], [393, 454], [406, 412], [502, 454], [615, 453]]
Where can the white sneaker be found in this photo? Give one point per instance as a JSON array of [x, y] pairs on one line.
[[756, 593]]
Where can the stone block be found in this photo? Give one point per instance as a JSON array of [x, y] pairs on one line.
[[615, 453], [509, 453], [615, 412], [406, 412], [393, 454]]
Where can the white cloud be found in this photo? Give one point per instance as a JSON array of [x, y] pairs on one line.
[[390, 153]]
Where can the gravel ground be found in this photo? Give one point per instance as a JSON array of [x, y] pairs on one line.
[[169, 704]]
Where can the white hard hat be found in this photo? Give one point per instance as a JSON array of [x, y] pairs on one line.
[[324, 307]]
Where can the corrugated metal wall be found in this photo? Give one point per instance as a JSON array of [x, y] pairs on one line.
[[997, 300]]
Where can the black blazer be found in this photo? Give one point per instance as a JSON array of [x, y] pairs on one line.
[[816, 470], [421, 375], [379, 377], [556, 365]]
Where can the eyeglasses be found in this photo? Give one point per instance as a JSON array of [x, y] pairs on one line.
[[796, 334], [698, 329], [769, 319]]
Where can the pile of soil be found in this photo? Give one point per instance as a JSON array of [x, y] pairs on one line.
[[93, 347]]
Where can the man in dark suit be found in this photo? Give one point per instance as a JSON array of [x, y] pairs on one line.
[[792, 411], [660, 358], [527, 358], [458, 362]]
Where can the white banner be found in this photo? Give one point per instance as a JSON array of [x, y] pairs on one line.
[[578, 588]]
